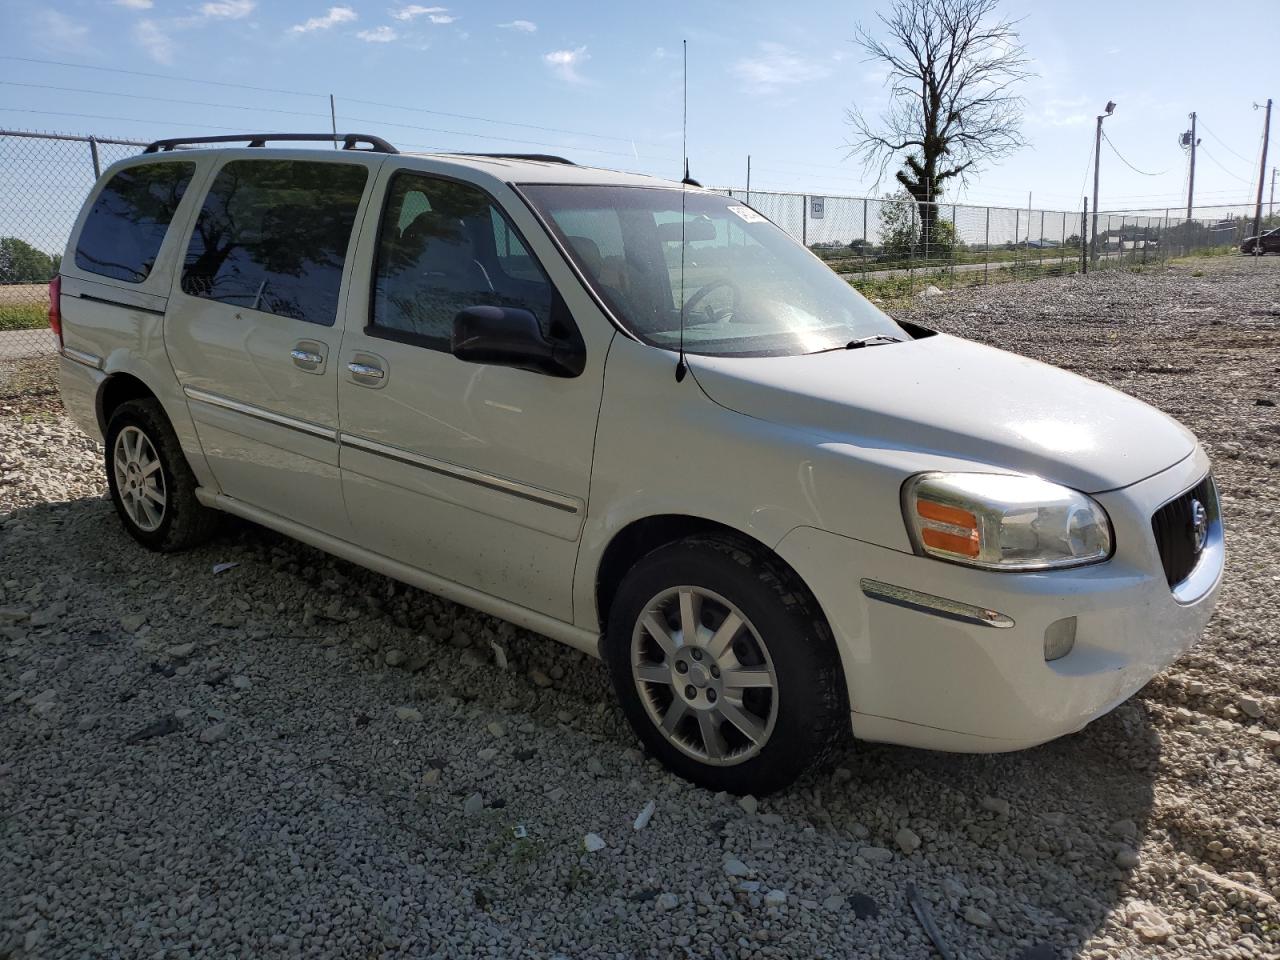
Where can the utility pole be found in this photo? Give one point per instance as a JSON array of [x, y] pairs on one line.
[[1262, 176], [1189, 140], [748, 179], [1097, 157], [1272, 212]]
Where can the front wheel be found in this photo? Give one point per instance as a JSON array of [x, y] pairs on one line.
[[724, 666]]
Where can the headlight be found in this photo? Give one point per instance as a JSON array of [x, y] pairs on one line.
[[1004, 521]]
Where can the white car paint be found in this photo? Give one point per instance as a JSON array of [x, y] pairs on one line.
[[806, 455]]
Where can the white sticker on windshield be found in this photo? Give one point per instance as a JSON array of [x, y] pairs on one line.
[[747, 214]]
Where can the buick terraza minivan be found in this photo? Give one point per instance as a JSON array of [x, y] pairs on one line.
[[637, 417]]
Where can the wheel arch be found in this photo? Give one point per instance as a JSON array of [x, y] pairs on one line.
[[643, 536], [116, 389]]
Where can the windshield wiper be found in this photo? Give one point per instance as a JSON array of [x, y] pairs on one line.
[[871, 341]]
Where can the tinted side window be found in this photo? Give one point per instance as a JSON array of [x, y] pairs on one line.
[[273, 236], [124, 230], [444, 246]]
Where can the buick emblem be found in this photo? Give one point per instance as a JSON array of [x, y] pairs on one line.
[[1199, 524]]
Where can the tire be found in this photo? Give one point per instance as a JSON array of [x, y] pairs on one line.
[[798, 721], [156, 504]]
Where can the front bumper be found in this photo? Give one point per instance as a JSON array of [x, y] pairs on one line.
[[925, 680]]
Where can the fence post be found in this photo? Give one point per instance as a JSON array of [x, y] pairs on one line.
[[1084, 238], [864, 234], [986, 252], [1062, 247], [1017, 229], [1041, 238], [911, 254], [93, 153], [955, 239], [804, 221]]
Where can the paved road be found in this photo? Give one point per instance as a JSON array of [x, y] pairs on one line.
[[21, 344]]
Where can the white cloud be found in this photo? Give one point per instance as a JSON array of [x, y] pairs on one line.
[[524, 26], [434, 14], [153, 39], [333, 17], [135, 4], [382, 34], [775, 67], [60, 32], [1071, 112], [565, 63], [228, 9]]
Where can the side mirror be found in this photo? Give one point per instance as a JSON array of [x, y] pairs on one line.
[[511, 337]]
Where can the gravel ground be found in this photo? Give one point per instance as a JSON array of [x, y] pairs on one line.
[[293, 756]]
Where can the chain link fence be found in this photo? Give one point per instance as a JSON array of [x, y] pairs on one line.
[[898, 246], [887, 247], [43, 181]]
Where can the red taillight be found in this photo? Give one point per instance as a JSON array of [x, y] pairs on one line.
[[55, 306]]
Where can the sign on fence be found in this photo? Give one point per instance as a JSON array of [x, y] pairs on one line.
[[817, 207]]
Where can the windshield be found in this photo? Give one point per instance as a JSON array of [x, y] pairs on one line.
[[745, 287]]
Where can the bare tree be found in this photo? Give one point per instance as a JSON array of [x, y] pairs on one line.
[[953, 67]]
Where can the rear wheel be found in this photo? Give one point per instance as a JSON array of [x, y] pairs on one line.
[[151, 484], [724, 666]]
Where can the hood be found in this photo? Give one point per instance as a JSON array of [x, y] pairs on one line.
[[961, 400]]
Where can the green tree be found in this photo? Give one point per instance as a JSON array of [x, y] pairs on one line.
[[942, 240], [22, 263], [898, 226]]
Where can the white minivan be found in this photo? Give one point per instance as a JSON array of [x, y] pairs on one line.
[[637, 417]]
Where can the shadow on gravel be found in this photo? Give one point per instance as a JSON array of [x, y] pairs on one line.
[[318, 707]]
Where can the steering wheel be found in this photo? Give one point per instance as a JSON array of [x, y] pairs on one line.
[[701, 293]]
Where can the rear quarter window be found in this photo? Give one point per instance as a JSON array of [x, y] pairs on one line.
[[127, 223]]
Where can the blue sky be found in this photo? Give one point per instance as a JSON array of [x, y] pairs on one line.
[[773, 80]]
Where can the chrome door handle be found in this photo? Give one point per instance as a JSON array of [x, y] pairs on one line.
[[306, 357], [365, 370]]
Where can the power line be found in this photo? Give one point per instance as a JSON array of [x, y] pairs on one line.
[[493, 136], [1127, 163], [505, 123], [160, 76], [302, 93], [98, 116], [296, 113], [1222, 168], [1084, 181], [139, 96], [1223, 143]]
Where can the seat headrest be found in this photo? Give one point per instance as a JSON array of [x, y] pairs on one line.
[[589, 252]]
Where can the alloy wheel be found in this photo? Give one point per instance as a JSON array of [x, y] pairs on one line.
[[139, 478], [704, 675]]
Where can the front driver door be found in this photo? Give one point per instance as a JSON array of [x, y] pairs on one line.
[[475, 473]]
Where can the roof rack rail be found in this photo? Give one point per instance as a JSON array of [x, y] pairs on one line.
[[349, 141], [542, 157]]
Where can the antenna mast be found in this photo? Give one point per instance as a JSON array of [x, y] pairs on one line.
[[682, 368]]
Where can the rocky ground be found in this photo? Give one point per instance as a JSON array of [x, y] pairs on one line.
[[291, 756]]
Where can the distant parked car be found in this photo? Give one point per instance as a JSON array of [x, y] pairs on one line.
[[639, 418], [1270, 242]]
